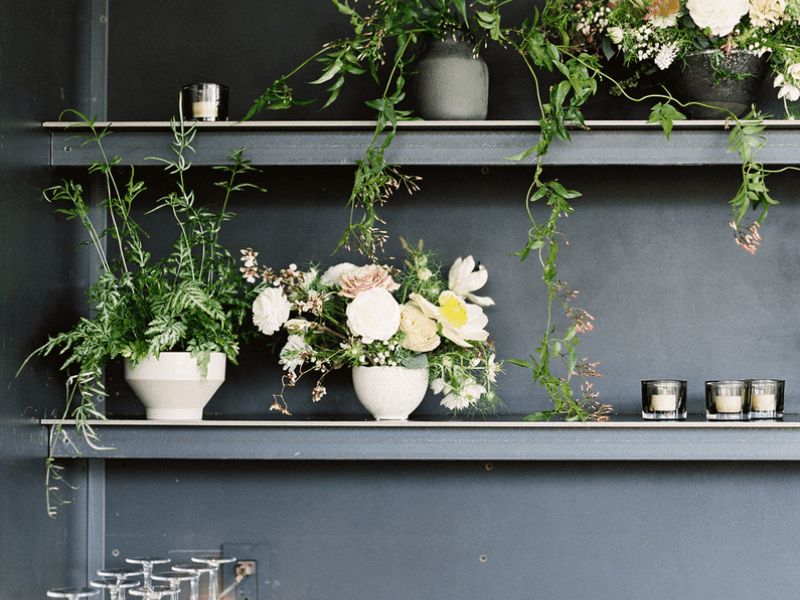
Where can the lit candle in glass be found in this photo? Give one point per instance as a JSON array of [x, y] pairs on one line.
[[664, 399], [728, 403], [766, 398], [727, 400], [205, 102]]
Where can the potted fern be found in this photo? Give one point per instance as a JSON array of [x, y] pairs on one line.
[[184, 309]]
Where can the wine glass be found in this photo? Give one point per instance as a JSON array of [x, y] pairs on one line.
[[156, 592], [147, 563], [73, 593], [116, 587], [194, 568], [174, 579], [120, 574], [213, 576]]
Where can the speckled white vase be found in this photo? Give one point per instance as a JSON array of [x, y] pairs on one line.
[[390, 393], [172, 388]]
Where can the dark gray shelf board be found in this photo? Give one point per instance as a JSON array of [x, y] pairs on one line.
[[626, 439], [449, 143]]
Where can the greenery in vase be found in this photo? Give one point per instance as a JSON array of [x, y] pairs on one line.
[[190, 300], [375, 315], [652, 36]]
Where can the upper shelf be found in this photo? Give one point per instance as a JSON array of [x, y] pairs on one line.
[[620, 439], [450, 143]]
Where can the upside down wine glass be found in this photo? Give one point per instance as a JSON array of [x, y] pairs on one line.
[[73, 593], [174, 580], [156, 592], [116, 587], [194, 568], [213, 576], [121, 574], [147, 563]]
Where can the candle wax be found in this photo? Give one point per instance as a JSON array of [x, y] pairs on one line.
[[204, 110], [728, 404], [763, 402], [663, 402]]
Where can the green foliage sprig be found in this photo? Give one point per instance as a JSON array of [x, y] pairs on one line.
[[406, 23]]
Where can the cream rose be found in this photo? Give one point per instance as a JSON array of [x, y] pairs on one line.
[[420, 331], [365, 278], [271, 310], [720, 16], [374, 315]]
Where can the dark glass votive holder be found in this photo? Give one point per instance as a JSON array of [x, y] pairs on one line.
[[205, 102], [664, 399], [727, 400], [766, 398]]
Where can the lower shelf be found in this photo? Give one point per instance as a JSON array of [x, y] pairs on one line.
[[620, 439]]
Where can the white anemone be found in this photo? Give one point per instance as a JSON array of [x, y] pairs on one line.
[[460, 321], [467, 395], [463, 279]]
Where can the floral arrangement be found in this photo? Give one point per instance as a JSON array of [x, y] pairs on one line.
[[655, 34], [352, 315]]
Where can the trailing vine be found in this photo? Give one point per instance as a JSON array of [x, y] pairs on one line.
[[556, 41]]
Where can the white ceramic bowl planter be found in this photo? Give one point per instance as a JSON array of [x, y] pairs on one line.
[[172, 388], [390, 393]]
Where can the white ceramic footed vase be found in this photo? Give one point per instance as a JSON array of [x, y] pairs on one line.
[[172, 387], [390, 393]]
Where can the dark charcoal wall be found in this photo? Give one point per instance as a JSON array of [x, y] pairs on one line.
[[40, 281], [444, 530]]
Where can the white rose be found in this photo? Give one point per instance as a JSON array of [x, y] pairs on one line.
[[270, 310], [721, 16], [332, 276], [374, 315], [616, 34]]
